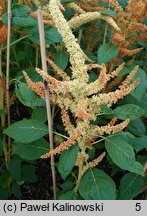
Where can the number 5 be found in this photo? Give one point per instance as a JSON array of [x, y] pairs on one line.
[[138, 207]]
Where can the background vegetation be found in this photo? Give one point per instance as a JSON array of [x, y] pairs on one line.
[[120, 172]]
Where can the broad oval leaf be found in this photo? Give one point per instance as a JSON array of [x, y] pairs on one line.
[[106, 110], [122, 154], [140, 90], [130, 186], [139, 143], [106, 53], [31, 151], [52, 36], [97, 185], [67, 161], [25, 94], [17, 11], [23, 22], [61, 59], [68, 184], [109, 12], [26, 131], [40, 114], [143, 104], [137, 127], [126, 111], [20, 10], [123, 3]]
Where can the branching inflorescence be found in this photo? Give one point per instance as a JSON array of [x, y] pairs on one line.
[[75, 94]]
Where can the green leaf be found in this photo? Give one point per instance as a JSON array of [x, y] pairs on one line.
[[61, 59], [31, 151], [90, 55], [106, 53], [25, 94], [143, 104], [139, 143], [14, 167], [126, 70], [123, 3], [137, 127], [23, 22], [92, 77], [51, 35], [35, 77], [20, 17], [15, 190], [40, 114], [140, 90], [20, 10], [67, 161], [28, 173], [68, 184], [129, 99], [130, 186], [109, 12], [122, 154], [97, 185], [91, 153], [17, 11], [38, 102], [26, 131], [106, 110], [70, 195], [126, 111]]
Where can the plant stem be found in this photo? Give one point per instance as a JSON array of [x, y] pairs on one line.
[[60, 135], [26, 36], [79, 177], [105, 33], [48, 107], [8, 72], [80, 36], [37, 52], [53, 112]]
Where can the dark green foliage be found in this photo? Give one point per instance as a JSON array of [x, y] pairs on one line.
[[67, 161], [97, 185]]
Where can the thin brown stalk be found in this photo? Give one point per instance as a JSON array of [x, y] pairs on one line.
[[8, 72], [80, 36], [47, 98], [105, 33]]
